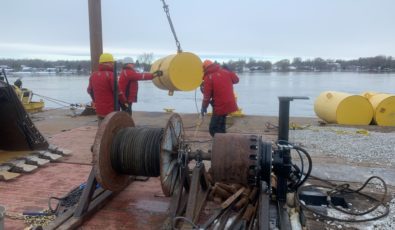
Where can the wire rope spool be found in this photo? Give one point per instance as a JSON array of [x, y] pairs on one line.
[[170, 156], [242, 159], [135, 151], [121, 150], [107, 177]]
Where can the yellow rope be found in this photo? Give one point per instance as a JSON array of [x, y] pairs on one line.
[[198, 122]]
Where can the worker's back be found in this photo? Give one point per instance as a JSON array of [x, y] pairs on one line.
[[101, 84], [219, 83]]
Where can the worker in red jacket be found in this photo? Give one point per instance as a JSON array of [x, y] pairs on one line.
[[128, 82], [218, 91], [101, 87]]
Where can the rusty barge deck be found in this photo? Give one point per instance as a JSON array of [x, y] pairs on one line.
[[141, 205]]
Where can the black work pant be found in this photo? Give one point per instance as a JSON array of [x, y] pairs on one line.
[[217, 124], [130, 108], [99, 120]]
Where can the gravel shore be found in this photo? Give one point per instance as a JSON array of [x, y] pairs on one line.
[[354, 145]]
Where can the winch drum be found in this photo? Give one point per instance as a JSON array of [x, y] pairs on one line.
[[238, 158]]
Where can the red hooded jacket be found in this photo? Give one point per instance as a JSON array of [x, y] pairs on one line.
[[218, 87], [128, 83], [101, 90]]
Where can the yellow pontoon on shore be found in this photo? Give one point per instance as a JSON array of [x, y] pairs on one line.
[[25, 96]]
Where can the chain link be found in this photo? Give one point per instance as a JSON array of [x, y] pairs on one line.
[[14, 216], [44, 220], [166, 9], [32, 221]]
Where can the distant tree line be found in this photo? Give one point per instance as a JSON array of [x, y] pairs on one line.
[[368, 64], [143, 61], [82, 66]]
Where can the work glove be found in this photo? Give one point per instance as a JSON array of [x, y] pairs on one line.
[[203, 111], [157, 73]]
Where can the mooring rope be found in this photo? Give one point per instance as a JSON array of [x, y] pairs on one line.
[[136, 150]]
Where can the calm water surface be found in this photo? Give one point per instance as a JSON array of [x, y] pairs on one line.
[[257, 92]]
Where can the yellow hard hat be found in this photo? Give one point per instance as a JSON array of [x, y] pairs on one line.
[[106, 57]]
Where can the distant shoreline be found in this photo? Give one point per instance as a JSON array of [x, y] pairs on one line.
[[377, 64], [41, 74]]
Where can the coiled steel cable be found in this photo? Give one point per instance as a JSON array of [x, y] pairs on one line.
[[136, 151]]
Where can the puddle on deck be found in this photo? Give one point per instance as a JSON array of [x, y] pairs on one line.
[[151, 206]]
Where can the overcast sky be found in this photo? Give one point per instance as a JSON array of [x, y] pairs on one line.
[[263, 29]]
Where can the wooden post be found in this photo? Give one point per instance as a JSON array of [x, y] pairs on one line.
[[95, 32]]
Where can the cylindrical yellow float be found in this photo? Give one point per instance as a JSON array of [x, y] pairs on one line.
[[239, 111], [181, 72], [343, 108], [383, 107]]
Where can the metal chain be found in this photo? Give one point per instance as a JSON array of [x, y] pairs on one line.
[[14, 216], [42, 220], [32, 221], [166, 9]]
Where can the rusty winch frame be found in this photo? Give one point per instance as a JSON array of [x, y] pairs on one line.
[[235, 158]]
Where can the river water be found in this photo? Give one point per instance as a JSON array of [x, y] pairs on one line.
[[257, 92]]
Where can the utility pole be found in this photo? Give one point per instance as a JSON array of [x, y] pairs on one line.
[[95, 32]]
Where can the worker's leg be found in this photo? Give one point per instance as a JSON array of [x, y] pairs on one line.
[[213, 125], [99, 120], [130, 108], [222, 124], [217, 124]]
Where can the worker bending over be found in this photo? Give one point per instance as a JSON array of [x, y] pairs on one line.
[[101, 87], [128, 83], [218, 91]]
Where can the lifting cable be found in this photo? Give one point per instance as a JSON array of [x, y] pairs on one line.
[[200, 119], [166, 9]]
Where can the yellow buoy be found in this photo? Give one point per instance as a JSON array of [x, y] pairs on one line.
[[181, 72], [343, 108], [239, 111], [383, 107]]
